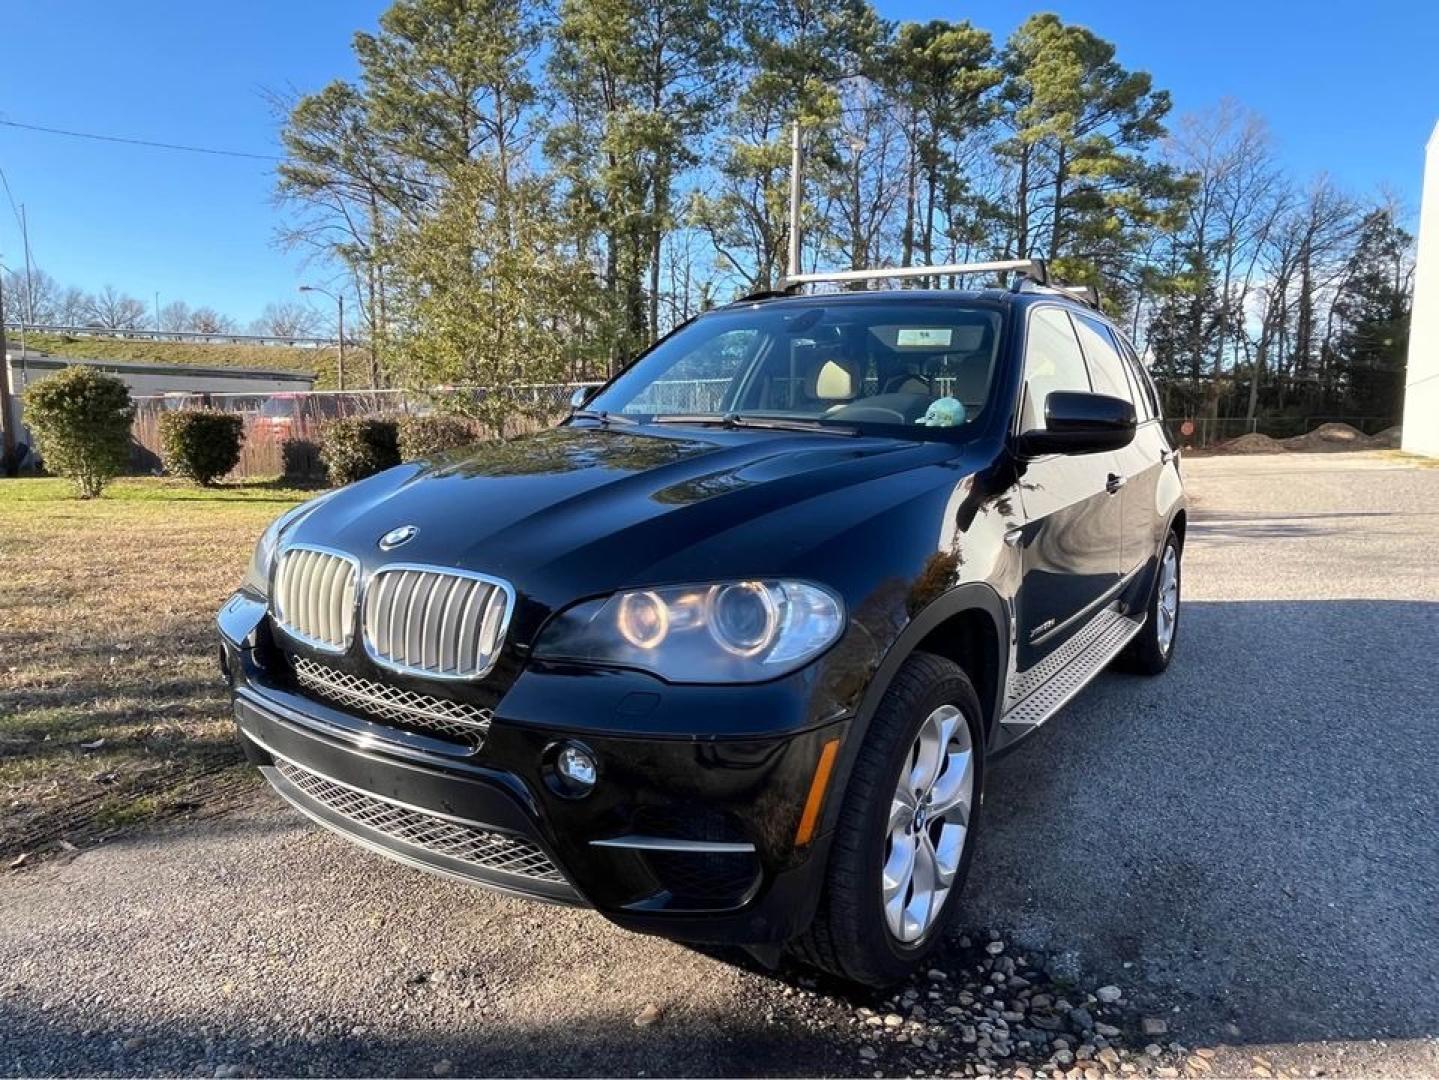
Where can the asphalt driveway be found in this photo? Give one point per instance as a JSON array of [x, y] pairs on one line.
[[1248, 847]]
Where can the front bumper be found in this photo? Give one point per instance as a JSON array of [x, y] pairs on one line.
[[692, 837]]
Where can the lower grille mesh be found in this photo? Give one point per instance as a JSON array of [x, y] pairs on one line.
[[453, 720], [466, 843]]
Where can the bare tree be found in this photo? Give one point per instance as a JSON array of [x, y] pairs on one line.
[[31, 296], [288, 319], [115, 310], [1236, 195], [863, 172], [207, 320], [72, 307], [175, 316]]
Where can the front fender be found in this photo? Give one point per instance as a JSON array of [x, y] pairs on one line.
[[971, 596]]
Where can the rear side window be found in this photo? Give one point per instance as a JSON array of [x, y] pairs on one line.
[[1052, 361], [1142, 378], [1106, 367]]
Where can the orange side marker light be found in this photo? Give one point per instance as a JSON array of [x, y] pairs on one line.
[[817, 787]]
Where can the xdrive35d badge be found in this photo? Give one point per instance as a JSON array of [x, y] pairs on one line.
[[726, 655]]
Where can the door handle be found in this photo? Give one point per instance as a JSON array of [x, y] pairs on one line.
[[1114, 483], [1166, 456]]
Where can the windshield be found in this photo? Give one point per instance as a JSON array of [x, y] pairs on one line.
[[915, 364]]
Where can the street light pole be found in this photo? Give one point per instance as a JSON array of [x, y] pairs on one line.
[[339, 300]]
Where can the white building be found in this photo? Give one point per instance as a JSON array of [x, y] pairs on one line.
[[1421, 377]]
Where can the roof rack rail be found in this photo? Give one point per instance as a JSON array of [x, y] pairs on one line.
[[1085, 294], [1033, 269]]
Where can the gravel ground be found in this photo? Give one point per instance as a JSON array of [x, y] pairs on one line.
[[1230, 870]]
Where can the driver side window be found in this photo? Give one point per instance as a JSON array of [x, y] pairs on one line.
[[1052, 361]]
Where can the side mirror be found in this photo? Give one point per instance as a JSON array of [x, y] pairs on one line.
[[1080, 423], [581, 395]]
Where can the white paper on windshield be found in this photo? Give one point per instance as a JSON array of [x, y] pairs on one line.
[[924, 337]]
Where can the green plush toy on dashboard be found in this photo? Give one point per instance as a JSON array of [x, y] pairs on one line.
[[945, 412]]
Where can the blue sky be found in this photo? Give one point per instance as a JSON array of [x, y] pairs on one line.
[[1348, 89]]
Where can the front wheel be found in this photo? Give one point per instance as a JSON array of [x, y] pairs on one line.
[[905, 833], [1153, 647]]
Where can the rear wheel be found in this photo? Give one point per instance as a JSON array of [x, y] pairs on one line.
[[1153, 647], [903, 842]]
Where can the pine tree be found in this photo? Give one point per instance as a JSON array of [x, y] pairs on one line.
[[1079, 127], [638, 84], [939, 73], [800, 53]]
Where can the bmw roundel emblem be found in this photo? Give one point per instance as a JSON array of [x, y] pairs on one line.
[[395, 537]]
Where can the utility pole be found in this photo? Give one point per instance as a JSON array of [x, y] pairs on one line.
[[29, 292], [158, 327], [340, 374], [796, 194], [7, 416]]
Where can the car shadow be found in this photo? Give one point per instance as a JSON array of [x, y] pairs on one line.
[[1254, 833]]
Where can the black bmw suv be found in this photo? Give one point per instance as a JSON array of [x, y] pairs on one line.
[[726, 654]]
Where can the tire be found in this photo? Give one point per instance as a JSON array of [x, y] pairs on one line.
[[1151, 650], [852, 935]]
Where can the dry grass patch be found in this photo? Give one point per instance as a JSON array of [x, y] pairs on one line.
[[112, 711]]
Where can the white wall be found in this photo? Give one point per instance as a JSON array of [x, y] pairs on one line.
[[1421, 378]]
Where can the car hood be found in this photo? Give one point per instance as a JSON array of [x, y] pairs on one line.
[[583, 510]]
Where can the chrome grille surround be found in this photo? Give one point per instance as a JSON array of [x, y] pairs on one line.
[[455, 720], [453, 838], [435, 622], [314, 596]]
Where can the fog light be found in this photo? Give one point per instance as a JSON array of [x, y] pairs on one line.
[[577, 766]]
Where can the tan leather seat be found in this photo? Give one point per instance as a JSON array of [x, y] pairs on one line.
[[833, 378]]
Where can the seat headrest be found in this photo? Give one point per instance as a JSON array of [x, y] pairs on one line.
[[971, 379], [832, 379]]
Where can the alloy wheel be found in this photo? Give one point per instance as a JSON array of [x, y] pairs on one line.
[[928, 824], [1167, 610]]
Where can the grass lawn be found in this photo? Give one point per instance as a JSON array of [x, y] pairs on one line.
[[112, 710]]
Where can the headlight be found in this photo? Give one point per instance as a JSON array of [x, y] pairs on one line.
[[257, 576], [738, 631]]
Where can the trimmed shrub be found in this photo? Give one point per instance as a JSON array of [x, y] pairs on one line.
[[201, 444], [426, 436], [301, 460], [355, 447], [81, 419]]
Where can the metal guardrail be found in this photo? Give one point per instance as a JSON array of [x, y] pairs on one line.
[[175, 335]]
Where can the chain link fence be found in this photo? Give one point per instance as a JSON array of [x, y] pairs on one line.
[[271, 420]]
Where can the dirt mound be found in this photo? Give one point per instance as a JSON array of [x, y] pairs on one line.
[[1252, 443], [1390, 437], [1331, 437]]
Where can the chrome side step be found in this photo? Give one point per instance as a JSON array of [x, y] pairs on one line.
[[1035, 695]]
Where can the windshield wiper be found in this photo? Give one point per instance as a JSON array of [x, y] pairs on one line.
[[604, 417], [773, 423]]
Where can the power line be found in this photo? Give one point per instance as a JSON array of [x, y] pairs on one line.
[[13, 208], [141, 142]]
